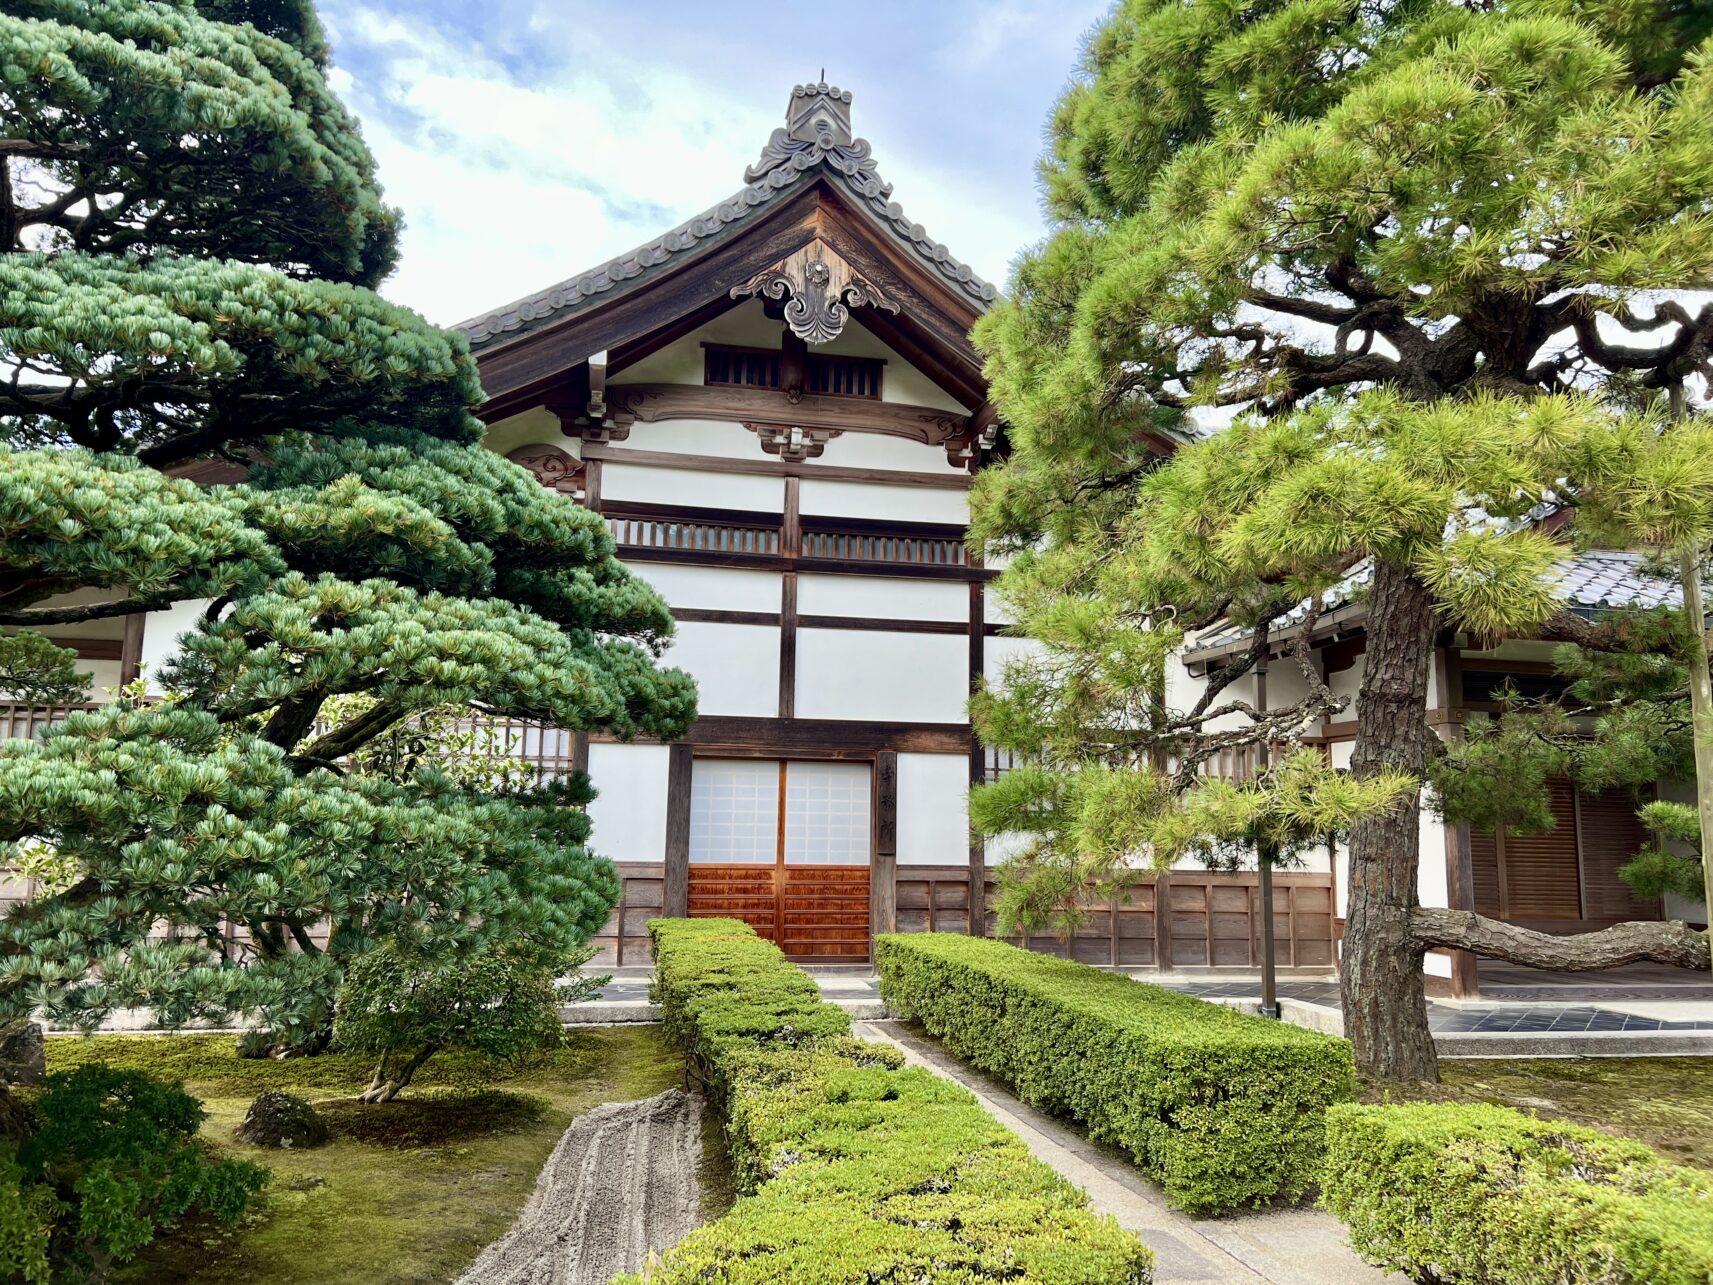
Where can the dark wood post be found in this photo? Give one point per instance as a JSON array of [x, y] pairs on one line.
[[675, 898], [883, 869], [131, 650], [978, 760]]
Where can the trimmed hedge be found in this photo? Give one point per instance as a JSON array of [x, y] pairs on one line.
[[1220, 1108], [1474, 1194], [853, 1168]]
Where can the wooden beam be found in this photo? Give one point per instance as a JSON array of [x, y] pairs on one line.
[[679, 769], [851, 736], [788, 645], [863, 624], [769, 467]]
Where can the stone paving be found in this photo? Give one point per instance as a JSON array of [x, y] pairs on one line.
[[1464, 1028]]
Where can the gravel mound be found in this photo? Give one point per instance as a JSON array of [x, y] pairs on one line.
[[621, 1182]]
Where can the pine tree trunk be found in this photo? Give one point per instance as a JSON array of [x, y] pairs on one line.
[[1380, 969]]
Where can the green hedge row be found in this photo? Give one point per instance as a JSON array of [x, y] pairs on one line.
[[853, 1168], [1476, 1194], [1220, 1108]]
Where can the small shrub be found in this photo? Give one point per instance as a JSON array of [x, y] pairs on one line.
[[114, 1162], [851, 1166], [282, 1120], [1220, 1108], [405, 1010], [1472, 1194]]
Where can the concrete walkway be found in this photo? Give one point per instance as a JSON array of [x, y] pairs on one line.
[[1282, 1247]]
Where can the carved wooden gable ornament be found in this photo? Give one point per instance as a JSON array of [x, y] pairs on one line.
[[819, 289]]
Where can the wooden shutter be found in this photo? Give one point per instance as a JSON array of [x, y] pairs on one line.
[[1541, 876], [1612, 834], [1484, 858]]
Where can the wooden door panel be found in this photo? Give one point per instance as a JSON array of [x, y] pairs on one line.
[[1612, 834], [1540, 870]]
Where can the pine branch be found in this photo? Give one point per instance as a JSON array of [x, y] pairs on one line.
[[1661, 943]]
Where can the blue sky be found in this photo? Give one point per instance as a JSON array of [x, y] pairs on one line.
[[528, 140]]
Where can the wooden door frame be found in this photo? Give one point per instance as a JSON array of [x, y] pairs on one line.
[[882, 827]]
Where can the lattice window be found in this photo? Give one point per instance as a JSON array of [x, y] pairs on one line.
[[734, 811], [700, 537], [844, 376], [871, 546], [741, 367], [827, 814]]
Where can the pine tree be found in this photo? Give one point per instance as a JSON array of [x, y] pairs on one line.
[[1401, 242], [190, 237]]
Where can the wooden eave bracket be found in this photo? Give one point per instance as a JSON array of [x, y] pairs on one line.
[[582, 406]]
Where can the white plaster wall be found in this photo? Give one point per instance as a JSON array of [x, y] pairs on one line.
[[736, 667], [999, 649], [933, 809], [694, 437], [994, 610], [854, 449], [878, 500], [161, 631], [103, 678], [680, 362], [1680, 907], [651, 485], [711, 588], [531, 428], [887, 677], [629, 814], [882, 597]]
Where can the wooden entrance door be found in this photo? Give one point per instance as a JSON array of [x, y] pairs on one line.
[[784, 847]]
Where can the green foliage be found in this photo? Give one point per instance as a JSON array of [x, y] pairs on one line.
[[198, 353], [1470, 1194], [162, 111], [35, 671], [1221, 1109], [115, 1162], [179, 824], [75, 520], [406, 1009], [853, 1167], [201, 397], [1395, 241]]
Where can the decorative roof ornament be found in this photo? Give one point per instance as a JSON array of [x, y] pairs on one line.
[[817, 140], [821, 289]]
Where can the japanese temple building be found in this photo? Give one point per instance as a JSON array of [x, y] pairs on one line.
[[777, 409]]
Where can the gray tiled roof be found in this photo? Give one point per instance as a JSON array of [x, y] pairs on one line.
[[1599, 579], [787, 163]]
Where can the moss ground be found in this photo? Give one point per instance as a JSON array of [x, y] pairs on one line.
[[1666, 1102], [404, 1193]]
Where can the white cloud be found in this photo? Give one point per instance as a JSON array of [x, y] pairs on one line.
[[516, 171]]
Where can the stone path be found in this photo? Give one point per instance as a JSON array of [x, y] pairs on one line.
[[621, 1182], [1282, 1247]]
